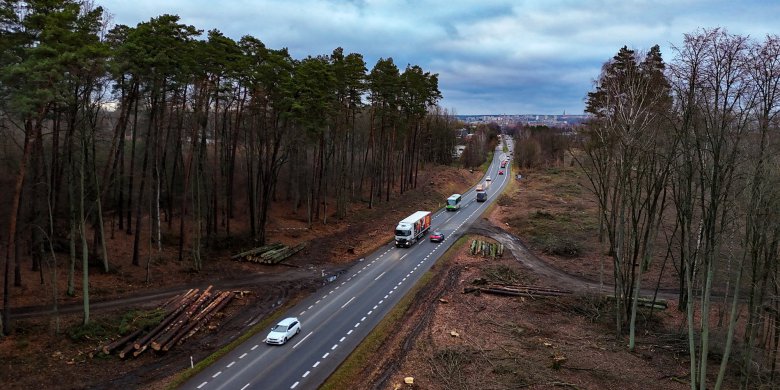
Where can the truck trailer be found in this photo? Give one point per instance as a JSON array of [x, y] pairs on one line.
[[412, 228], [481, 193]]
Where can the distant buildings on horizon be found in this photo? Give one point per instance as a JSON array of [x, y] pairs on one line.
[[526, 119]]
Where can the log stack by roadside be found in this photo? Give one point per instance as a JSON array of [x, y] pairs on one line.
[[269, 254], [184, 316], [515, 290], [485, 249]]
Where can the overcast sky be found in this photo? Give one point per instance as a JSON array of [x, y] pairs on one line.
[[492, 56]]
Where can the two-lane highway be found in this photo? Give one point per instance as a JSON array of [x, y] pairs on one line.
[[339, 316]]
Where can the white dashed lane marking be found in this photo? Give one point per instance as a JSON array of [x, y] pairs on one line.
[[348, 302]]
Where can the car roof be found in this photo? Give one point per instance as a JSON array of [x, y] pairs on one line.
[[288, 321]]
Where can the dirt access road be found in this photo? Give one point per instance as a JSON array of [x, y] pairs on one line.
[[554, 276], [452, 340], [266, 293], [282, 281]]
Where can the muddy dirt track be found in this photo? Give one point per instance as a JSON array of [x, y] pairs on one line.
[[285, 281], [269, 291]]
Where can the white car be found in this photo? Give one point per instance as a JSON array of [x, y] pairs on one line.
[[488, 178], [283, 331]]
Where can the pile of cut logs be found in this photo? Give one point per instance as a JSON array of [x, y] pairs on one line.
[[485, 248], [185, 315], [269, 254], [513, 290]]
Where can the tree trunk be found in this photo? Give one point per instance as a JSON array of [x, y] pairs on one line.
[[83, 232], [15, 205]]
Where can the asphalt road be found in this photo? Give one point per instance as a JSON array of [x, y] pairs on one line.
[[339, 316]]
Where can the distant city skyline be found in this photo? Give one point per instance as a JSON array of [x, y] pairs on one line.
[[529, 119]]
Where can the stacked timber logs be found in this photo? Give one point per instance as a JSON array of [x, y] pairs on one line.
[[513, 290], [269, 254], [184, 316], [484, 248], [534, 292]]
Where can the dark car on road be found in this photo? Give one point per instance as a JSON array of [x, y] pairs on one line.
[[437, 236]]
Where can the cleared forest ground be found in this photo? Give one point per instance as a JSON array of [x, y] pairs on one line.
[[40, 352], [449, 339]]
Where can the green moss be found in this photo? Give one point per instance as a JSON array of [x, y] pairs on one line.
[[95, 329]]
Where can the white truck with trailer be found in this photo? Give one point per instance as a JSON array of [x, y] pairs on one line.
[[412, 228]]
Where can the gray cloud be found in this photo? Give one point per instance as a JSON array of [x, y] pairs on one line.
[[492, 56]]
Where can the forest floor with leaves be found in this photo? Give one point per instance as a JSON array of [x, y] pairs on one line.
[[502, 342], [40, 351]]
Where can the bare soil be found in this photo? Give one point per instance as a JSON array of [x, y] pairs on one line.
[[453, 340], [498, 342], [39, 352]]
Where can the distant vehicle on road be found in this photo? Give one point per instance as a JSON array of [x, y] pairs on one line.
[[481, 193], [283, 331], [437, 236], [453, 202], [488, 179], [501, 172]]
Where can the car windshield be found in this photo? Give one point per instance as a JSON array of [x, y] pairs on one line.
[[279, 328], [436, 234], [403, 233]]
